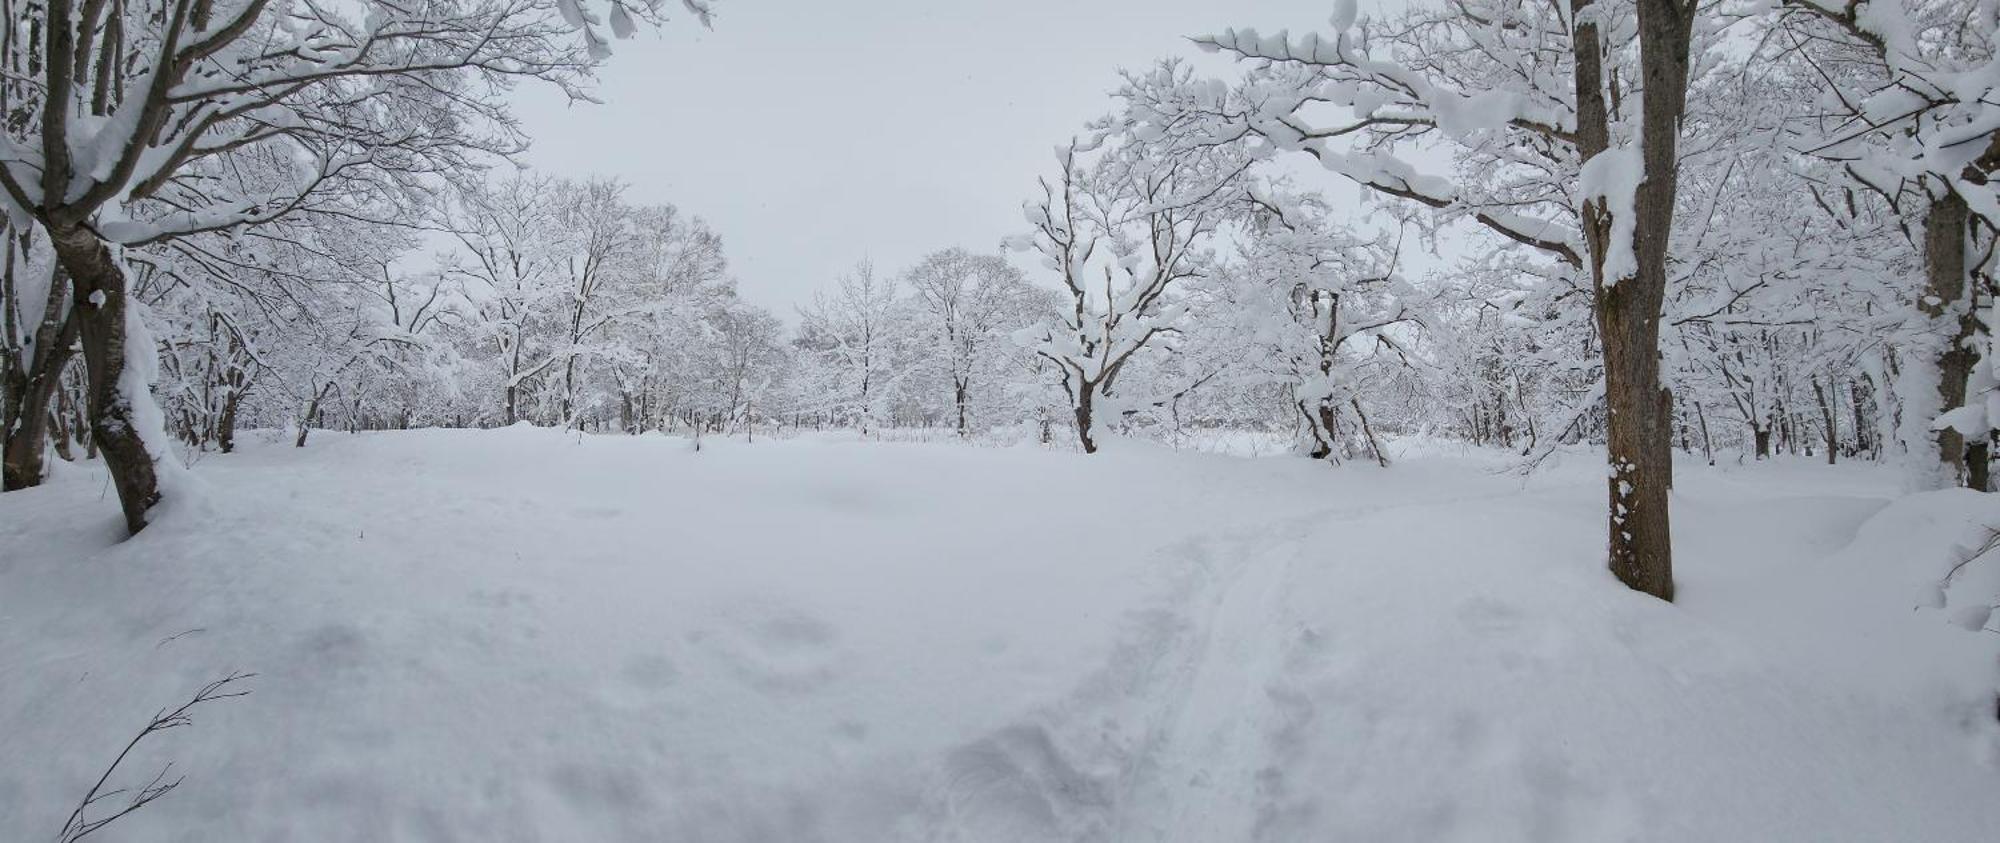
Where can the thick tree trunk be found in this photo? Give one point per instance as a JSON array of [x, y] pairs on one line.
[[98, 300], [1761, 436], [1085, 395], [1639, 435], [1944, 291]]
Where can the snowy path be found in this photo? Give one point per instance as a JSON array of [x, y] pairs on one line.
[[525, 636]]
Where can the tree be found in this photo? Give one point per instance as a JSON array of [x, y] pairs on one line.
[[1318, 311], [1121, 230], [971, 301], [857, 331]]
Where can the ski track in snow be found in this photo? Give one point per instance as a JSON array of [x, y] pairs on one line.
[[1164, 742]]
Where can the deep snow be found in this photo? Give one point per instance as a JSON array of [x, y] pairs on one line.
[[526, 635]]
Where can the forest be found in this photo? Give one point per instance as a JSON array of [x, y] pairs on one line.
[[1316, 387]]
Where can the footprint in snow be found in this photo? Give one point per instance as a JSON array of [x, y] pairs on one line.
[[784, 654]]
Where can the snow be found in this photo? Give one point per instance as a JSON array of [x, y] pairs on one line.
[[1342, 19], [1613, 177], [521, 634]]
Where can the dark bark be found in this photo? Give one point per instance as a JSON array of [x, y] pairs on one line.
[[1826, 416], [1762, 437], [311, 415], [1944, 288], [1368, 434], [32, 391], [1707, 443], [1639, 435], [1978, 466], [1324, 420], [1084, 398], [225, 427], [98, 301], [1864, 434]]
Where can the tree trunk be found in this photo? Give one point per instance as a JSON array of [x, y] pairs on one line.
[[509, 415], [59, 435], [1707, 444], [30, 390], [1084, 394], [1762, 437], [1864, 443], [1368, 434], [1826, 416], [1978, 467], [24, 465], [98, 301], [959, 392], [1317, 424], [1944, 291], [225, 427], [21, 461], [1639, 437], [311, 415]]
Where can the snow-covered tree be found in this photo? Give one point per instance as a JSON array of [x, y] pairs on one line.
[[861, 336], [973, 304], [1124, 222]]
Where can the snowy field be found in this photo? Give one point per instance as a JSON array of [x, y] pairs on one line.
[[519, 635]]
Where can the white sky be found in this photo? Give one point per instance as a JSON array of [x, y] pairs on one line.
[[812, 134]]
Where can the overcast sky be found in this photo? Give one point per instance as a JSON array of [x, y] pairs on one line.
[[812, 134]]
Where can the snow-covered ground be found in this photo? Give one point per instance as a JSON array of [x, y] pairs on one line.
[[525, 635]]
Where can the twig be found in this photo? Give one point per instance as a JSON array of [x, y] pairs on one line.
[[78, 826]]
